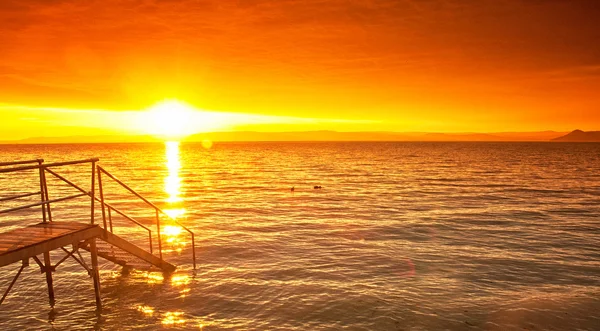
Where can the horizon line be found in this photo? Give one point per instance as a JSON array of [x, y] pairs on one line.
[[262, 136]]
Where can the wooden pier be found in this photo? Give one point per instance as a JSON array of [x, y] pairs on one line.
[[72, 236]]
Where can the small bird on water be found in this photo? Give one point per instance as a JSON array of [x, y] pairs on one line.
[[292, 189], [317, 187]]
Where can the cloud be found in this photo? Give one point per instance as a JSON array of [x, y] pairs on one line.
[[387, 59]]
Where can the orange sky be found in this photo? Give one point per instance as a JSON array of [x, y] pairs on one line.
[[78, 67]]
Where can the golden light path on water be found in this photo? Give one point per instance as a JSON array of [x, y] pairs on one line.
[[174, 242], [174, 209], [174, 202]]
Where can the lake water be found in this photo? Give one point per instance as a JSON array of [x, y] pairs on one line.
[[402, 236]]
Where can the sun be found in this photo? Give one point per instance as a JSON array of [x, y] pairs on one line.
[[171, 118]]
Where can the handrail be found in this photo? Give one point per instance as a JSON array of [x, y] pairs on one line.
[[45, 202], [43, 192], [47, 165], [130, 219], [18, 196], [156, 208], [12, 163], [75, 186]]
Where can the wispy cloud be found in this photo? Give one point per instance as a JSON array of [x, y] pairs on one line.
[[384, 59]]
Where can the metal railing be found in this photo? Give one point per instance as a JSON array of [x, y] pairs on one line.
[[15, 163], [109, 206], [158, 212], [45, 201]]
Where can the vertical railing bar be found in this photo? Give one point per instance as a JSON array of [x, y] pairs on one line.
[[158, 230], [41, 171], [92, 192], [150, 239], [47, 195], [102, 200], [110, 221]]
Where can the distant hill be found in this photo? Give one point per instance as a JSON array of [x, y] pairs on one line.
[[460, 137], [250, 136], [299, 136], [580, 136], [83, 140], [373, 136], [529, 136]]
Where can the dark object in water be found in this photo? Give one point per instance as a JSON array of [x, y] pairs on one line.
[[292, 189], [317, 187]]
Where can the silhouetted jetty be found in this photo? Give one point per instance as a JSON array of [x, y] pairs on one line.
[[21, 245]]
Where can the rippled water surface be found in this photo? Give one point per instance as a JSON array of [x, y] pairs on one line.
[[402, 236]]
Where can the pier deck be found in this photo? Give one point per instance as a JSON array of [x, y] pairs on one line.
[[23, 243]]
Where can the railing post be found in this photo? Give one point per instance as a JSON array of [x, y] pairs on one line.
[[110, 220], [158, 230], [102, 200], [46, 194], [42, 191], [92, 192]]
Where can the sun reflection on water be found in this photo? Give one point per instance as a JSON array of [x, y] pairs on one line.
[[153, 277], [173, 318], [175, 212], [180, 280], [173, 181], [172, 230], [146, 310], [174, 201]]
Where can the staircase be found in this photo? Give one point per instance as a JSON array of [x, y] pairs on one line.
[[110, 246], [122, 252]]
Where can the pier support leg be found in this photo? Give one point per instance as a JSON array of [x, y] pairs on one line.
[[95, 273], [48, 271]]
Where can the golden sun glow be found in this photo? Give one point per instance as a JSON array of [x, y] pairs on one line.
[[171, 230], [176, 119]]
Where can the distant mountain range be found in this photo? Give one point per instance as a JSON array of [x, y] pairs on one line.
[[374, 136], [84, 139], [253, 136], [580, 136]]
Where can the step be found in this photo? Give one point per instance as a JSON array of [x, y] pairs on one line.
[[122, 252]]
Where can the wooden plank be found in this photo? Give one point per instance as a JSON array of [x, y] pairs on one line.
[[35, 234], [49, 244], [33, 240]]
